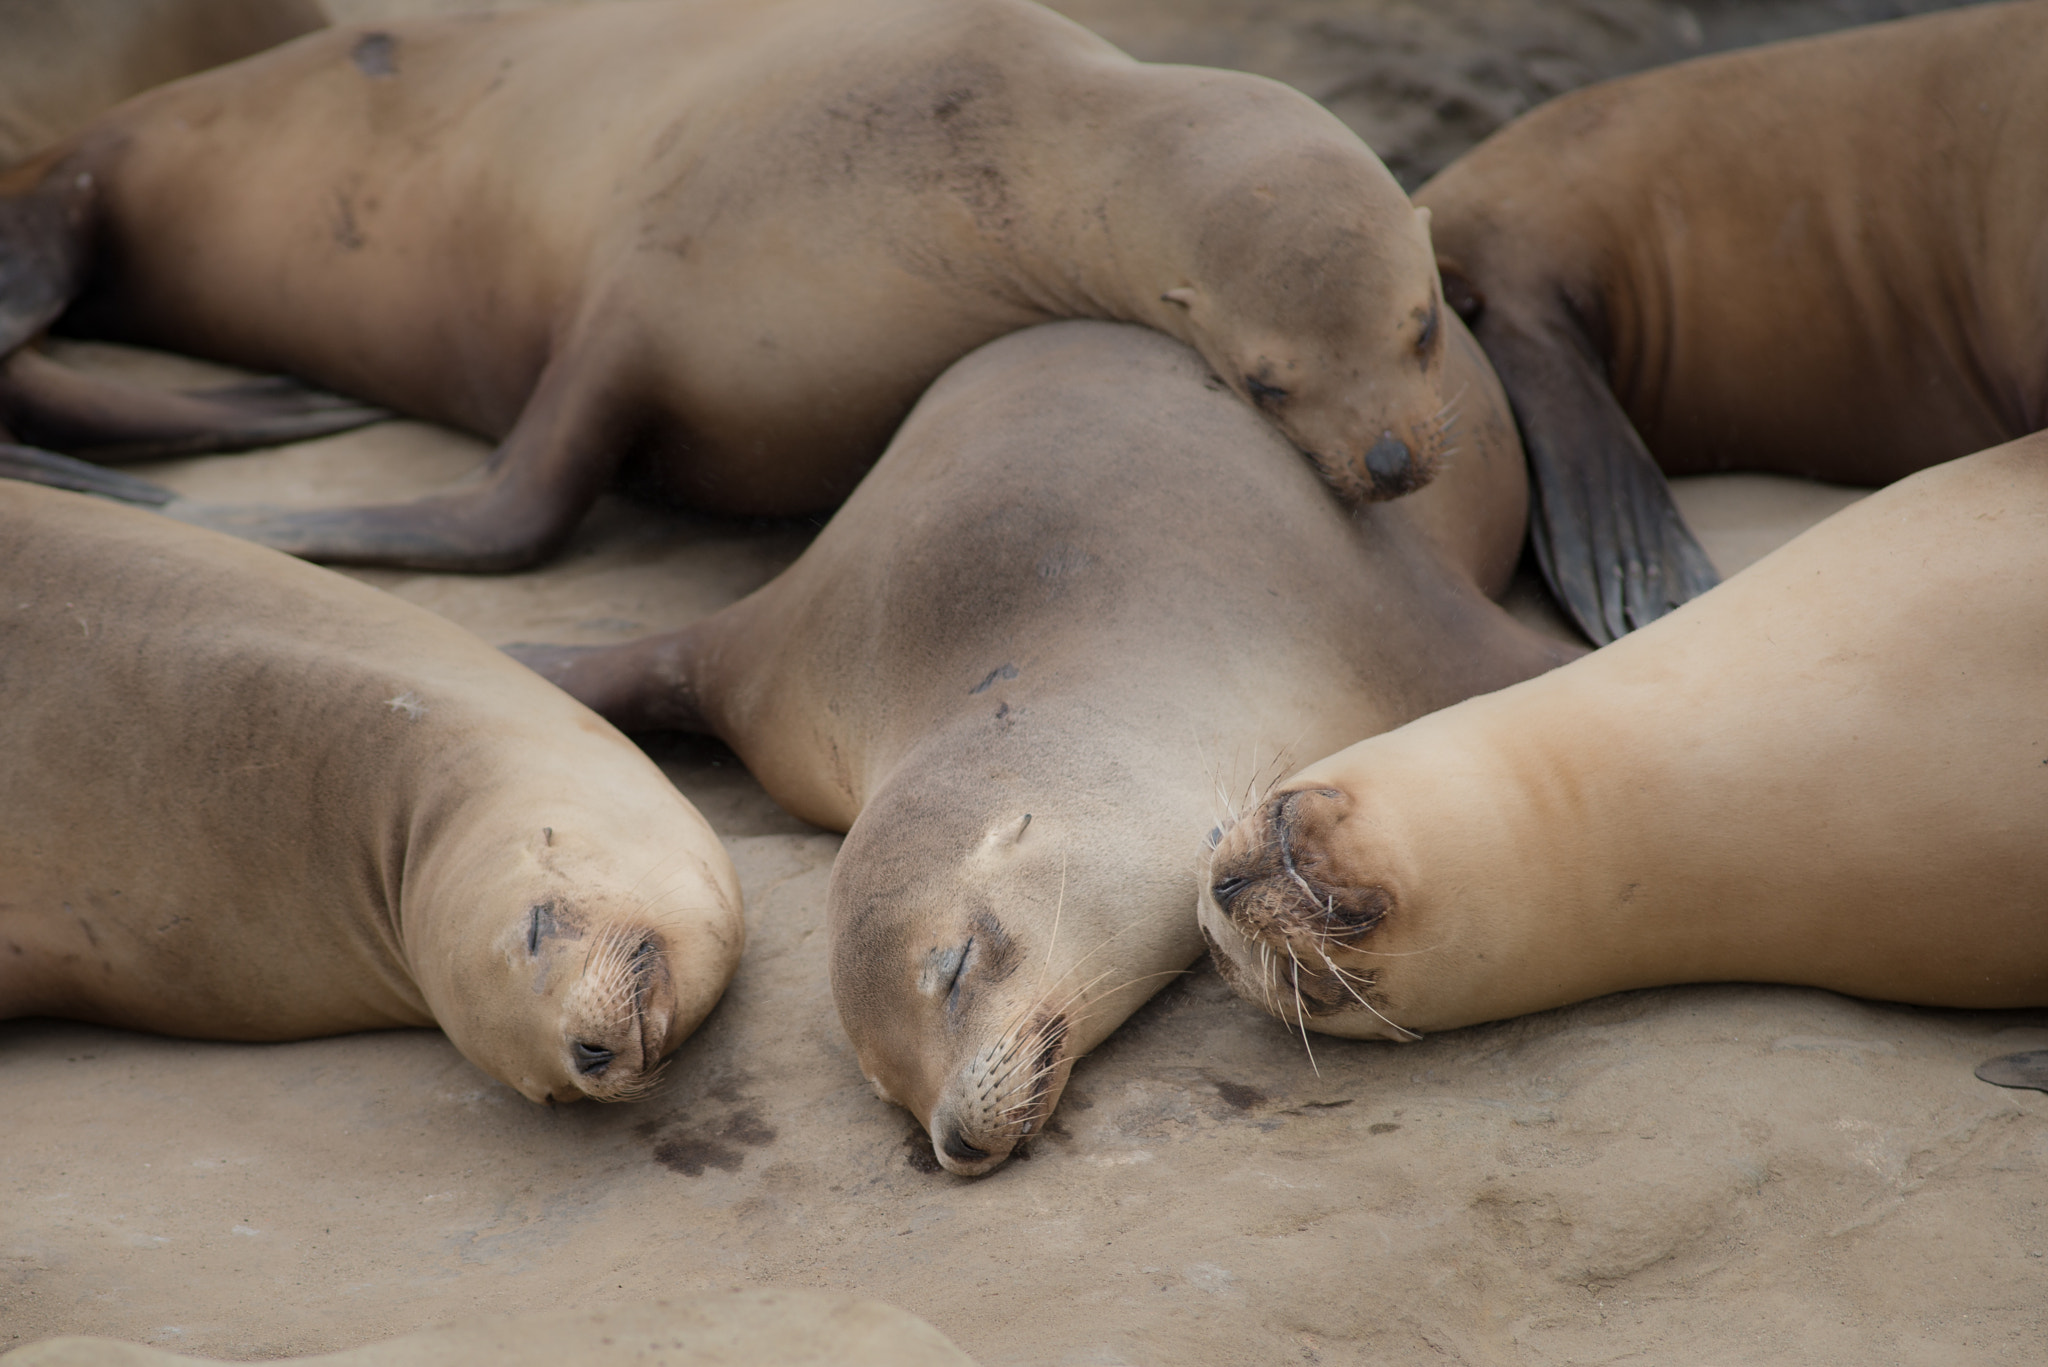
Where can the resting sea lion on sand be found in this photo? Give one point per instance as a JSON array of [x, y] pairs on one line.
[[1084, 596], [1832, 771], [1825, 258], [717, 245], [250, 799]]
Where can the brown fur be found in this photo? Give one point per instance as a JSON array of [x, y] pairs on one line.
[[1825, 258], [722, 245]]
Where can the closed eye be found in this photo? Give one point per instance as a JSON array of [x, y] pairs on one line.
[[1263, 394], [1431, 329], [959, 972]]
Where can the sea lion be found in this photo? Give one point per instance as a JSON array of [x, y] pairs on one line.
[[1831, 771], [1824, 258], [250, 799], [1084, 599], [761, 1328], [720, 246]]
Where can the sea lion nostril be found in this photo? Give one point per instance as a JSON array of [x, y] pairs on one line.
[[590, 1058], [1226, 890], [959, 1150]]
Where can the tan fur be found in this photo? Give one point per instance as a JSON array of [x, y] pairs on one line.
[[250, 799], [739, 238], [1832, 770]]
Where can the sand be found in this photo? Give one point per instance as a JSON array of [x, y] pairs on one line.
[[1723, 1175]]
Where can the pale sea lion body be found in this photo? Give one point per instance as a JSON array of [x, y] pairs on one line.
[[722, 245], [1831, 771], [250, 799], [1825, 258], [1085, 603]]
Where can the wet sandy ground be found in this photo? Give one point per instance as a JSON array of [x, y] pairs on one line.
[[1718, 1174]]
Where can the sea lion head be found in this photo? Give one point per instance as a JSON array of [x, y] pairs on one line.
[[1298, 923], [1313, 293], [567, 974], [962, 963]]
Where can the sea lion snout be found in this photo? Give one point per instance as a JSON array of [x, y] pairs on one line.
[[1002, 1097], [1275, 909], [618, 1016], [1271, 874]]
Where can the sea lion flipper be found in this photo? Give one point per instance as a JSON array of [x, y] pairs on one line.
[[2028, 1069], [1607, 535], [537, 486], [45, 237], [649, 684], [51, 405], [32, 466]]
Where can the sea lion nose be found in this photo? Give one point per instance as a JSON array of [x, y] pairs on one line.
[[1389, 460], [1226, 890], [958, 1149]]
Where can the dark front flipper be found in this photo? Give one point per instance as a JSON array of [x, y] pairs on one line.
[[540, 482], [51, 405], [63, 472], [1609, 539], [2017, 1070], [644, 685], [45, 236]]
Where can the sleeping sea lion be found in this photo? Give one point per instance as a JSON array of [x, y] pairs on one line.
[[1085, 599], [1824, 258], [1831, 771], [717, 245], [250, 799]]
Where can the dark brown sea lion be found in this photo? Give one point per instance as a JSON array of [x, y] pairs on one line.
[[1832, 770], [721, 245], [247, 798], [1825, 258], [1086, 602]]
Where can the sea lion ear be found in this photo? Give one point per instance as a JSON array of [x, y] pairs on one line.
[[1422, 217], [1183, 296], [1460, 293]]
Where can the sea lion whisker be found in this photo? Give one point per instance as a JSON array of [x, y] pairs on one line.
[[1059, 907], [1343, 981], [1301, 1015]]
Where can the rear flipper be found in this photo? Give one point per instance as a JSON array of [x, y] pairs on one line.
[[2017, 1070], [28, 464], [1607, 535], [540, 482], [643, 685], [50, 405]]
